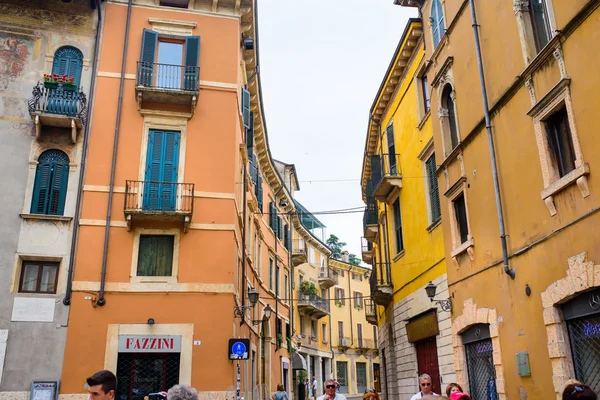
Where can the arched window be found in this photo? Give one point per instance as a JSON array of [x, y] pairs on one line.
[[68, 61], [50, 187], [437, 22], [448, 105]]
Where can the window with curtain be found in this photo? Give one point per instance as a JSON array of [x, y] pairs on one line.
[[437, 22], [155, 255], [50, 184], [38, 277], [68, 61]]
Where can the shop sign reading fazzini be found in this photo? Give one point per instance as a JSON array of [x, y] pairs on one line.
[[149, 344]]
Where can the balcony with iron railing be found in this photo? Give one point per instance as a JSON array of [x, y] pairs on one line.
[[327, 277], [299, 252], [371, 311], [312, 305], [386, 175], [159, 201], [53, 104], [367, 250], [167, 83], [381, 283], [370, 224]]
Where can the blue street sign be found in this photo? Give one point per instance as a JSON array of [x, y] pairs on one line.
[[239, 349]]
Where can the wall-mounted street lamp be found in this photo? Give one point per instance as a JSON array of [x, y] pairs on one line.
[[248, 43], [446, 305], [268, 310], [239, 311]]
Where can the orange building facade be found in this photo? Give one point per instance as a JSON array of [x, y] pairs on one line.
[[198, 216]]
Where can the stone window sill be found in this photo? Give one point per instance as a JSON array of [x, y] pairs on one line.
[[434, 224], [464, 247], [144, 280], [578, 175], [425, 118], [47, 217], [399, 256]]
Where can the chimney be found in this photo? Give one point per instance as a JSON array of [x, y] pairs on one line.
[[345, 256]]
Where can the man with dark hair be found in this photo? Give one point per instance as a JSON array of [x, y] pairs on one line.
[[102, 385]]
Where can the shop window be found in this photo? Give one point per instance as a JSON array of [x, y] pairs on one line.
[[38, 277], [139, 374], [480, 362]]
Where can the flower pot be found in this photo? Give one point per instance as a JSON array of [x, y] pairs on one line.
[[50, 85], [72, 88]]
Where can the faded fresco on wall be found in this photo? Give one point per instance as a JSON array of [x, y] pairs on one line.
[[15, 54]]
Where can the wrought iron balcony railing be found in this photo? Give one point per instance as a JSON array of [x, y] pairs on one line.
[[160, 200], [313, 305], [381, 283], [363, 343], [167, 76], [58, 105], [371, 311], [384, 165], [327, 277]]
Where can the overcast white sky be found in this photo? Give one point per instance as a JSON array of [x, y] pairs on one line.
[[321, 63]]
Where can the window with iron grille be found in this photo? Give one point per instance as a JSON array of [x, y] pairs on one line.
[[538, 11], [155, 257], [38, 277], [434, 196], [560, 141], [50, 185], [480, 362], [583, 325], [460, 211], [398, 226], [139, 374]]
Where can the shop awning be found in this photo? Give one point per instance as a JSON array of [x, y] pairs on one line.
[[298, 362]]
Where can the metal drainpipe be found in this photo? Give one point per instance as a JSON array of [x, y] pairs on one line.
[[350, 305], [101, 300], [330, 326], [76, 217], [244, 206], [488, 126]]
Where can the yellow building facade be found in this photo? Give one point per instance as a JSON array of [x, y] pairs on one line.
[[354, 342], [402, 224], [524, 282]]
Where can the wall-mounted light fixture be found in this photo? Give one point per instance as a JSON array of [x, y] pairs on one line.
[[283, 203], [268, 310], [239, 311], [248, 42], [445, 305], [150, 321]]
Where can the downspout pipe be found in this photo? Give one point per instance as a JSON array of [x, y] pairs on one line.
[[111, 187], [488, 126], [244, 227], [350, 305], [77, 216]]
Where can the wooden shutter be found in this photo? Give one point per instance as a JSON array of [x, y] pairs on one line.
[[68, 61], [392, 167], [286, 236], [343, 297], [58, 189], [434, 195], [192, 62], [250, 134], [246, 107], [41, 188], [155, 257], [258, 190], [375, 171], [170, 169], [162, 163], [279, 227], [147, 56]]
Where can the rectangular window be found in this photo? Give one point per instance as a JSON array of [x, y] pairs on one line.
[[313, 329], [432, 183], [279, 228], [324, 332], [375, 336], [538, 11], [340, 329], [174, 3], [398, 227], [425, 94], [560, 141], [357, 300], [460, 211], [285, 288], [155, 255], [359, 333], [339, 297], [302, 325], [312, 256], [270, 274], [169, 60], [38, 277], [277, 281]]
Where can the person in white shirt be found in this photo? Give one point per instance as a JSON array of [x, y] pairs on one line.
[[330, 393], [425, 386], [314, 388]]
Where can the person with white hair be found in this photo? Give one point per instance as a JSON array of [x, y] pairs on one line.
[[182, 392], [330, 391], [425, 387]]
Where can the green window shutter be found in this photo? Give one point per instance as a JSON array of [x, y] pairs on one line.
[[271, 273], [279, 228], [155, 256], [250, 134], [68, 61], [148, 53], [286, 236], [434, 195], [246, 107], [192, 62], [258, 191], [271, 215], [50, 185], [392, 167]]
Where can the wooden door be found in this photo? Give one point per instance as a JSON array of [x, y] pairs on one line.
[[427, 361]]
